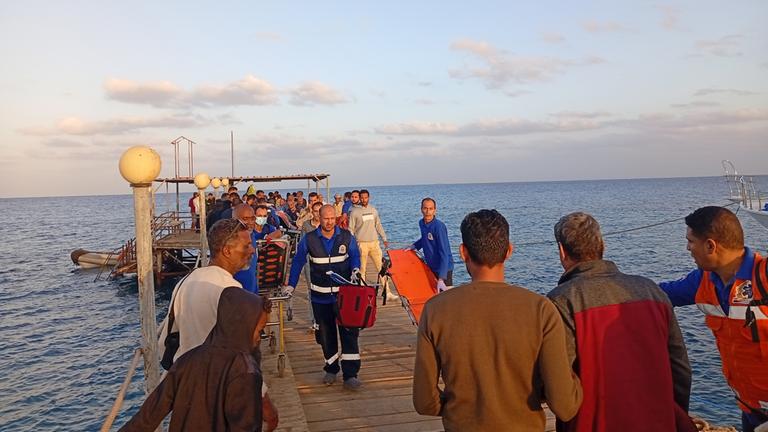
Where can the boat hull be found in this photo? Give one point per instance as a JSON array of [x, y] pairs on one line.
[[87, 259]]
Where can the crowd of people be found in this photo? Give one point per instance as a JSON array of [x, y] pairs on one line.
[[602, 349]]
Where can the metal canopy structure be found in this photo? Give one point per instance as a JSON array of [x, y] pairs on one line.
[[254, 179]]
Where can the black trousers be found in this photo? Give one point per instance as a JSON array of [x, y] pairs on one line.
[[329, 335]]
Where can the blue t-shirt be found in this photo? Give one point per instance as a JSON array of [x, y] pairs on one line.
[[682, 292], [437, 249]]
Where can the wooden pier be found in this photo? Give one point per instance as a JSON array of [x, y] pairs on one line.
[[385, 401]]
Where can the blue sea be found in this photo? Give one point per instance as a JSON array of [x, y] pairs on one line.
[[66, 340]]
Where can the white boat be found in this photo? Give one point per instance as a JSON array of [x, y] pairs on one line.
[[89, 259], [742, 190]]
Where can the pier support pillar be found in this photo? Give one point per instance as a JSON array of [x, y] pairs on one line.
[[201, 182], [140, 166]]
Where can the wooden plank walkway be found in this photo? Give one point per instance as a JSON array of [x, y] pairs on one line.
[[385, 401]]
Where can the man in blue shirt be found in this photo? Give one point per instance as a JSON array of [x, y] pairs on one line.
[[330, 248], [730, 286], [247, 276], [435, 245], [354, 199], [262, 228]]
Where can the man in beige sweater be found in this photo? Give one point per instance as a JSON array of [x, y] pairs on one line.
[[500, 349]]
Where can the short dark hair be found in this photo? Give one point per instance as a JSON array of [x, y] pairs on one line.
[[347, 194], [260, 207], [579, 233], [718, 224], [485, 235], [317, 203], [312, 194], [354, 191], [222, 232], [365, 191], [428, 199]]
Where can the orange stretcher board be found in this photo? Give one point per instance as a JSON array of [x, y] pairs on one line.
[[414, 281]]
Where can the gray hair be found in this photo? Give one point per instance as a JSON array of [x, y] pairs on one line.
[[222, 232], [579, 233]]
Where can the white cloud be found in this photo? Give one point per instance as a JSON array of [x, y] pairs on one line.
[[692, 121], [696, 104], [500, 68], [417, 128], [603, 27], [250, 90], [726, 46], [713, 91], [115, 126], [158, 93], [316, 93]]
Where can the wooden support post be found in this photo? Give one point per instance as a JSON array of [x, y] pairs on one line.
[[203, 230], [142, 201]]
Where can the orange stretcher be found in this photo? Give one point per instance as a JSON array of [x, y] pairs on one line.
[[414, 281]]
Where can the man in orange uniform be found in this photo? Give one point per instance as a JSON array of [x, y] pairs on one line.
[[731, 287]]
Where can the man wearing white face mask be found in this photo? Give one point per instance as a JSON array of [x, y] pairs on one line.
[[262, 229]]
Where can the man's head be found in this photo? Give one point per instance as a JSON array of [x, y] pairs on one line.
[[232, 189], [316, 210], [328, 218], [234, 198], [313, 198], [355, 196], [245, 214], [230, 243], [713, 234], [347, 196], [579, 239], [337, 198], [261, 215], [428, 209], [299, 194], [225, 196], [260, 194], [485, 240], [250, 199], [365, 196]]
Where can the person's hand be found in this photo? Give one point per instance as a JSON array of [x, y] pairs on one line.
[[288, 290], [441, 286], [386, 245], [356, 276]]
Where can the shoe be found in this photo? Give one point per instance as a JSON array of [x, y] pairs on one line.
[[263, 335], [329, 378], [353, 384]]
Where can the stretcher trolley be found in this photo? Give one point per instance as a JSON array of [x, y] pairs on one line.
[[272, 273], [412, 278]]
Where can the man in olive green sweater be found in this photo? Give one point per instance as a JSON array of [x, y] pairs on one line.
[[500, 349]]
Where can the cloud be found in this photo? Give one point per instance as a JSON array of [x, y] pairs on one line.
[[503, 127], [580, 114], [157, 93], [726, 46], [670, 17], [603, 27], [417, 128], [500, 68], [115, 126], [62, 143], [247, 91], [712, 91], [696, 104], [315, 93], [693, 121], [553, 38]]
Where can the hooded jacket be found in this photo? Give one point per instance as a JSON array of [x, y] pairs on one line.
[[217, 385]]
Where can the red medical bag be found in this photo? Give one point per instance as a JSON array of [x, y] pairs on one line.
[[356, 306]]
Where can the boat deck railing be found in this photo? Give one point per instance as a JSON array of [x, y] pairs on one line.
[[742, 189]]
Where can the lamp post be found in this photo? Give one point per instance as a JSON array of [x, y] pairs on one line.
[[201, 182], [216, 182], [139, 166]]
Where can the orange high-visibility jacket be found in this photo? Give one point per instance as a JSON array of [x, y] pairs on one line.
[[742, 334]]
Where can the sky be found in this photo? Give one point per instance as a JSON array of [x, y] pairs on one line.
[[381, 93]]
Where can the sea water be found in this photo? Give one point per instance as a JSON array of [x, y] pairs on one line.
[[66, 340]]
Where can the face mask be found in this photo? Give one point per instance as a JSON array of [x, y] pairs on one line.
[[261, 220]]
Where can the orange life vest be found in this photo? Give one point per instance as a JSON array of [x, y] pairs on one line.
[[742, 334]]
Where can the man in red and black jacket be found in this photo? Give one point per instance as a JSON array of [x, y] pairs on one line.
[[622, 337]]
